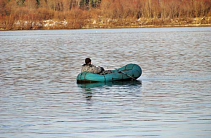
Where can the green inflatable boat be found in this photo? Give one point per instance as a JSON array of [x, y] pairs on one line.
[[127, 72]]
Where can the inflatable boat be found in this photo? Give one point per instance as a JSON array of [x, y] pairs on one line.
[[127, 72]]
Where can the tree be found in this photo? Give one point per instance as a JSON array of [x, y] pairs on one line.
[[3, 10], [31, 4]]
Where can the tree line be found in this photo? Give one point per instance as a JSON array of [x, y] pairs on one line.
[[32, 14]]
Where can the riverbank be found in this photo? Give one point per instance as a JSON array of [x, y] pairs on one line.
[[147, 23], [106, 23], [80, 14]]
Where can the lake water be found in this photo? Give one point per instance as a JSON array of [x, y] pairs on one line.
[[39, 96]]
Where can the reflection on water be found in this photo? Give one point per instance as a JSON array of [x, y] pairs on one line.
[[39, 96], [100, 84]]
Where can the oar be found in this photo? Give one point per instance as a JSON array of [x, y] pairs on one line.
[[119, 71]]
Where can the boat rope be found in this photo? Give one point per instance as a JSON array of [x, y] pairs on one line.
[[104, 78], [119, 71]]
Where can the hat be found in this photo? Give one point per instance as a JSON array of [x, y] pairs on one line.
[[87, 60]]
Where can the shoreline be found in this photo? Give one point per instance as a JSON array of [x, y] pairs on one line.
[[116, 27], [153, 26], [80, 14], [106, 23]]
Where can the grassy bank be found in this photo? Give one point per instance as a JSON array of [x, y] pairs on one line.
[[149, 22], [108, 23], [77, 14]]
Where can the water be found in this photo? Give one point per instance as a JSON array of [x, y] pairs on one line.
[[40, 96]]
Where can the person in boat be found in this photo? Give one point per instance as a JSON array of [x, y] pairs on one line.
[[88, 67]]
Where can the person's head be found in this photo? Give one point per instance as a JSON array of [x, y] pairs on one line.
[[87, 61]]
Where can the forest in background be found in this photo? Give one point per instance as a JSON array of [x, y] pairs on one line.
[[75, 14]]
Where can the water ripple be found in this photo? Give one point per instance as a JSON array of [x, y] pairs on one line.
[[40, 97]]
